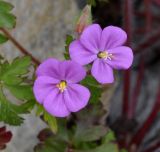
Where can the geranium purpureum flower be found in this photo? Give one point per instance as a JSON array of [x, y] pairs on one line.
[[103, 48], [57, 88]]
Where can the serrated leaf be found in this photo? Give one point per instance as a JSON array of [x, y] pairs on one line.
[[69, 39], [7, 20], [11, 74], [5, 6], [22, 92], [7, 112], [94, 87], [3, 38]]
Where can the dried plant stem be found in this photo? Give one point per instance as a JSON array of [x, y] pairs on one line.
[[19, 46]]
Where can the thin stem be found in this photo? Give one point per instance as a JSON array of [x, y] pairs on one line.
[[19, 46], [128, 25], [147, 43], [148, 15], [139, 136], [137, 89]]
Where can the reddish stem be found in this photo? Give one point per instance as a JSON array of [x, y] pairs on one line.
[[148, 42], [153, 147], [139, 136], [142, 14], [128, 25], [137, 89], [148, 15], [19, 46]]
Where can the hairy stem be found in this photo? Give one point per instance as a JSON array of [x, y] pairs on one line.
[[19, 46]]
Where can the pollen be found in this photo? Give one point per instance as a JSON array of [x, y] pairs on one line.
[[62, 86], [105, 55]]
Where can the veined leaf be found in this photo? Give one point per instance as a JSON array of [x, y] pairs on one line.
[[11, 74], [5, 6], [3, 38], [7, 20]]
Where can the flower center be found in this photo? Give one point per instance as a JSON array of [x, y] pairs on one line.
[[62, 85], [105, 55]]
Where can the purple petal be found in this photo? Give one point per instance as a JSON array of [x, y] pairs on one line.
[[90, 37], [76, 97], [43, 86], [112, 37], [122, 57], [80, 54], [55, 105], [102, 72], [71, 71], [49, 67]]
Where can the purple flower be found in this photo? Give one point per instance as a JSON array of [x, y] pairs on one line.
[[103, 48], [57, 89]]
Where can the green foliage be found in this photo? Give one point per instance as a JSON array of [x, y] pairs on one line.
[[51, 145], [14, 82], [69, 39], [94, 87], [106, 146], [92, 133], [7, 19], [49, 119], [3, 38], [91, 2]]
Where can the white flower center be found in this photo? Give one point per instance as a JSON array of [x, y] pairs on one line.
[[105, 55]]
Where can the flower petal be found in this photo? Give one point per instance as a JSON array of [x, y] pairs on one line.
[[112, 37], [55, 105], [122, 57], [80, 54], [90, 37], [43, 86], [49, 67], [76, 97], [71, 71], [102, 72]]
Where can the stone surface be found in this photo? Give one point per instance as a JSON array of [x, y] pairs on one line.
[[41, 28]]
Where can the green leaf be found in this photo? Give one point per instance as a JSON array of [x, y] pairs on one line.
[[5, 6], [110, 136], [94, 87], [52, 122], [107, 147], [7, 20], [8, 113], [13, 80], [49, 119], [22, 92], [51, 145], [91, 2], [12, 74], [3, 38], [92, 133], [69, 39]]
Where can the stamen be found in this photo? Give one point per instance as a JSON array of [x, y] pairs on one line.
[[62, 86], [105, 55]]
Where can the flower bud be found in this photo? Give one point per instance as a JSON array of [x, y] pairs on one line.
[[84, 20]]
